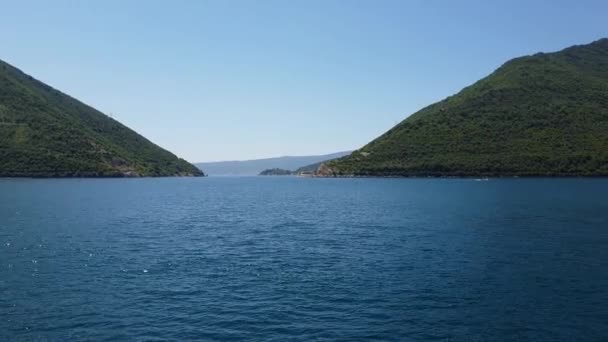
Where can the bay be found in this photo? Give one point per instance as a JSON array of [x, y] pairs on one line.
[[276, 259]]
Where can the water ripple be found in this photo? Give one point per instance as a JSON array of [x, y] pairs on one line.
[[303, 259]]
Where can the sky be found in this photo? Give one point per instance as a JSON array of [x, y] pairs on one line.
[[232, 80]]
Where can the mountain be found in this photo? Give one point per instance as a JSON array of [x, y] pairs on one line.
[[301, 171], [255, 166], [276, 172], [540, 115], [45, 133], [311, 168]]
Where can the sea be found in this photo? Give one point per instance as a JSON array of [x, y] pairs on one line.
[[303, 259]]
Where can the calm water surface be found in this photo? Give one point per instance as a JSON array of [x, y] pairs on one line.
[[280, 259]]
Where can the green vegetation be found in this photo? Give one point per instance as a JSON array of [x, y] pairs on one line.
[[276, 172], [307, 170], [540, 115], [310, 169], [45, 133]]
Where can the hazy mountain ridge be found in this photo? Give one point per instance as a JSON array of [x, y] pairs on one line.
[[255, 166]]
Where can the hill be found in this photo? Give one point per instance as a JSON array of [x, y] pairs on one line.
[[255, 166], [312, 167], [276, 172], [540, 115], [45, 133]]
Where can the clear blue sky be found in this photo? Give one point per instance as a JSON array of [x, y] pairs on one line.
[[218, 80]]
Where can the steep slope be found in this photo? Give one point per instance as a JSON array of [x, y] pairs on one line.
[[540, 115], [255, 166], [45, 133]]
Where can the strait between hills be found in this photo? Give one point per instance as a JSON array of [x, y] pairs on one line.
[[540, 115], [45, 133]]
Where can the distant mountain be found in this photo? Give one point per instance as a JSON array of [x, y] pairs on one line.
[[45, 133], [276, 172], [254, 167], [540, 115], [312, 167]]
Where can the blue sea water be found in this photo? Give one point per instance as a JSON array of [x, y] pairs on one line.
[[299, 259]]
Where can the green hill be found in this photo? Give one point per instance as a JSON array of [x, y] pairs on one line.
[[276, 172], [312, 168], [540, 115], [45, 133]]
